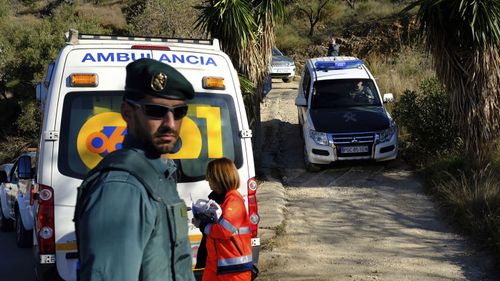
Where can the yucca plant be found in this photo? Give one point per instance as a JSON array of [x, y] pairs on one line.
[[463, 37], [245, 29]]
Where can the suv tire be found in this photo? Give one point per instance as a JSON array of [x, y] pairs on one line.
[[24, 238], [310, 167], [6, 224]]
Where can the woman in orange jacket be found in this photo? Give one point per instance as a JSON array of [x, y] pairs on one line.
[[228, 240]]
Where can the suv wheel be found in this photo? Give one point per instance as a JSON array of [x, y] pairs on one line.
[[287, 80], [310, 167], [24, 238], [5, 223]]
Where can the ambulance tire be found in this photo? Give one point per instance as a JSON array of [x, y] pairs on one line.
[[24, 238], [5, 223], [310, 167]]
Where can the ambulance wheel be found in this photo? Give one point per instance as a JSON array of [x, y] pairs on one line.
[[24, 238], [310, 167], [5, 223]]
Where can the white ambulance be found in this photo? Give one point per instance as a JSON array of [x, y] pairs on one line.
[[81, 99]]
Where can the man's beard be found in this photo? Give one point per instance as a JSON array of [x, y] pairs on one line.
[[148, 140]]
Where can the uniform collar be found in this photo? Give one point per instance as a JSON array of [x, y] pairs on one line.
[[163, 165]]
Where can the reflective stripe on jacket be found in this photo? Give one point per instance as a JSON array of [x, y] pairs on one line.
[[229, 241]]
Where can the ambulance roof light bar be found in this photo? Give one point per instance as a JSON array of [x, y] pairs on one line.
[[74, 37]]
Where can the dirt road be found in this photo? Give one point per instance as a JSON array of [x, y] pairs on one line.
[[356, 221]]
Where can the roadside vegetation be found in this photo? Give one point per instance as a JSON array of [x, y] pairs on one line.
[[451, 143]]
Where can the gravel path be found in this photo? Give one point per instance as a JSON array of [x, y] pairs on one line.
[[355, 221]]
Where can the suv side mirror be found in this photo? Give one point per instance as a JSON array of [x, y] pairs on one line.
[[24, 167], [388, 97], [300, 101]]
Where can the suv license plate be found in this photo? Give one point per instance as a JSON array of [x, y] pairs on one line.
[[280, 70], [354, 149]]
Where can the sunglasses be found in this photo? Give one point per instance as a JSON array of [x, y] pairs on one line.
[[158, 111]]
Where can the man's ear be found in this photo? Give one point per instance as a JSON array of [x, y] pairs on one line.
[[126, 111]]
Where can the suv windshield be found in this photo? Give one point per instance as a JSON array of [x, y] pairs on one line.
[[343, 93], [92, 127], [277, 52]]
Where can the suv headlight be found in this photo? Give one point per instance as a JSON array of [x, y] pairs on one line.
[[318, 137], [387, 134]]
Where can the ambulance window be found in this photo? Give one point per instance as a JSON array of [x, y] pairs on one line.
[[214, 117], [92, 127]]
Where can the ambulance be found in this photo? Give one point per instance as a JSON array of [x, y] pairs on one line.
[[81, 99]]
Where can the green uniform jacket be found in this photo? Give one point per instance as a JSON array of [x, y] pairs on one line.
[[127, 231]]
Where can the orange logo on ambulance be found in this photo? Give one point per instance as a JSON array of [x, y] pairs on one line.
[[102, 134]]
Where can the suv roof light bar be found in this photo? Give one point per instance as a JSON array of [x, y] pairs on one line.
[[336, 65]]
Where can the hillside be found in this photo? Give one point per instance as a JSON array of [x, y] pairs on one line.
[[32, 32]]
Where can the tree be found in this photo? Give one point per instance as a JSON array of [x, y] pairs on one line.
[[463, 36], [350, 3], [314, 11], [245, 29], [173, 18]]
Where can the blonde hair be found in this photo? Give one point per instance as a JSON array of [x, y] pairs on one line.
[[223, 173]]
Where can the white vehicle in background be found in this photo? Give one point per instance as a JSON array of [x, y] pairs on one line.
[[16, 210], [6, 224], [342, 113], [281, 67], [81, 99]]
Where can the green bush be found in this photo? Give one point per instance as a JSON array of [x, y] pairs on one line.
[[27, 46], [425, 121], [29, 121], [288, 39]]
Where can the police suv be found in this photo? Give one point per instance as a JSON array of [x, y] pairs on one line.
[[81, 99], [342, 115]]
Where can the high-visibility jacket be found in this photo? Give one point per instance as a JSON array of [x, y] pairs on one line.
[[229, 242]]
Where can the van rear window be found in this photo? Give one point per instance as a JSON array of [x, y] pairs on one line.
[[92, 127]]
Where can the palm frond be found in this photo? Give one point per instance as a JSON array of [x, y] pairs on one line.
[[463, 37]]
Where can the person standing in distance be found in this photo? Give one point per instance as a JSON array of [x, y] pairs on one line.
[[333, 48], [130, 222], [228, 241]]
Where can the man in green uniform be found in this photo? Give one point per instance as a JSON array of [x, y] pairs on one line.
[[130, 222]]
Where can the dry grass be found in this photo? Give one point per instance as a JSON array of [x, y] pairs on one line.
[[373, 9], [111, 16], [403, 72], [472, 199], [364, 11]]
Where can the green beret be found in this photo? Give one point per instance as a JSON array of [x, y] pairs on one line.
[[151, 77]]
